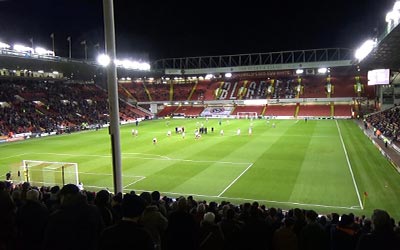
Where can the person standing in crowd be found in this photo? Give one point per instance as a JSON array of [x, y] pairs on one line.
[[75, 224], [128, 233]]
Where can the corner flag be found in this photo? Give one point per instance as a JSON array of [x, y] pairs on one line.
[[364, 198]]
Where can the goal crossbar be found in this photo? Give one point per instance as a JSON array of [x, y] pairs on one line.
[[50, 173]]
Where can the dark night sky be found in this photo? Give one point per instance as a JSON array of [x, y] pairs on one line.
[[165, 29]]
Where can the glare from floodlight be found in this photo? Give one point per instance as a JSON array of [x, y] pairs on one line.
[[43, 51], [365, 49], [228, 75], [22, 48], [396, 6], [209, 76], [144, 66], [4, 45], [322, 70], [299, 71], [103, 60], [55, 72]]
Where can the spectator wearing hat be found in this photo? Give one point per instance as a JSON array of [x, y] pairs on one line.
[[75, 224], [128, 233]]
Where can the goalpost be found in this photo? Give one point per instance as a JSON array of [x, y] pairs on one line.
[[48, 173], [247, 115]]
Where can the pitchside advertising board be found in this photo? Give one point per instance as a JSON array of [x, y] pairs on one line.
[[379, 77]]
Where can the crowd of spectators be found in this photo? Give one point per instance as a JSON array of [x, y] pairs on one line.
[[71, 218], [44, 107], [387, 122]]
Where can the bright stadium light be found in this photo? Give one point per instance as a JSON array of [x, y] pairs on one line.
[[4, 45], [103, 60], [209, 76], [144, 66], [43, 51], [322, 70], [365, 49], [22, 48], [393, 16], [299, 71], [228, 75]]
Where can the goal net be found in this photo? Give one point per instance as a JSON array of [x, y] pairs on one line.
[[48, 173], [246, 115]]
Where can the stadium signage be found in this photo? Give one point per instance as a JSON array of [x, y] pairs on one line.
[[264, 74], [265, 67]]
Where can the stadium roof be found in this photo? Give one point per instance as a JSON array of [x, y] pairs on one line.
[[386, 53]]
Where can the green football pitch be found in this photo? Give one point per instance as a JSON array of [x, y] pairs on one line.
[[325, 165]]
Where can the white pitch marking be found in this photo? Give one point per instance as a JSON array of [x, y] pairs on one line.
[[259, 200], [145, 158], [12, 156], [237, 178], [349, 165], [132, 183]]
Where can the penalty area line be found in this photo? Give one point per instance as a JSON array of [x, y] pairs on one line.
[[132, 183], [237, 178]]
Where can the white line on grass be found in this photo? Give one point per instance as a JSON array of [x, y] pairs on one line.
[[259, 200], [145, 158], [126, 186], [237, 178], [349, 165], [12, 156]]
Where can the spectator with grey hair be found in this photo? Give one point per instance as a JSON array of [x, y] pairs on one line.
[[31, 221]]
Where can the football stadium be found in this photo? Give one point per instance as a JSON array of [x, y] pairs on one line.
[[271, 137]]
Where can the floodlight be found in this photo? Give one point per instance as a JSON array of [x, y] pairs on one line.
[[396, 6], [322, 70], [103, 60], [4, 45], [22, 48], [299, 71], [228, 75], [55, 72], [144, 66], [40, 51], [209, 76], [118, 62], [365, 49]]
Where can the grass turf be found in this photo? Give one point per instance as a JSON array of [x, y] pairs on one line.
[[325, 165]]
